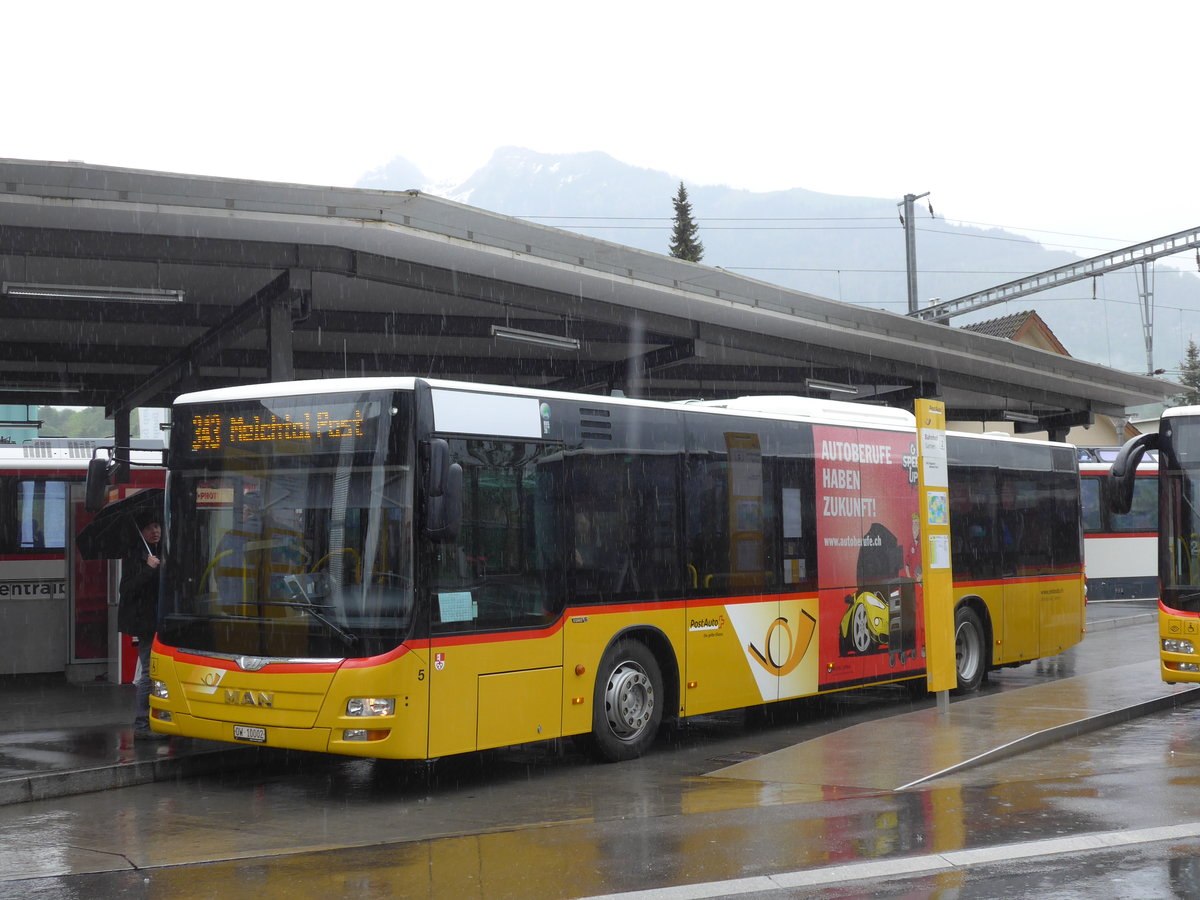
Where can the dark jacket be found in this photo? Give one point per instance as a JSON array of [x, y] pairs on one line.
[[138, 610]]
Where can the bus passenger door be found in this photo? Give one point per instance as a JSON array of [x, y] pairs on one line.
[[495, 649], [753, 610], [95, 640], [729, 617]]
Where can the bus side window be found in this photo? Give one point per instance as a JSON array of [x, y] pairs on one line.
[[39, 515], [1092, 516], [707, 538], [1143, 512], [504, 571], [975, 523], [624, 527], [601, 559]]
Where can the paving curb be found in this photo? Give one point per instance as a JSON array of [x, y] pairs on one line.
[[1122, 622], [1065, 731], [69, 783], [1068, 730]]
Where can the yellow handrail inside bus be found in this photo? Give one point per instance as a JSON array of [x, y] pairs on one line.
[[209, 567], [357, 561]]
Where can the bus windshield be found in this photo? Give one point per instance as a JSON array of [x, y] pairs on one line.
[[291, 528], [1179, 469]]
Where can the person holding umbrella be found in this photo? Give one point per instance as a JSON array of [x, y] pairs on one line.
[[131, 529], [137, 613]]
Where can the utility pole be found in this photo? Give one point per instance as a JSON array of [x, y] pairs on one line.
[[910, 246], [1146, 299]]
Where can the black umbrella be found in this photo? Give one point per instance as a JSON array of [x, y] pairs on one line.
[[115, 531]]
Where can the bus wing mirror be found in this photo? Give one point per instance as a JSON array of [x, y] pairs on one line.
[[443, 493], [96, 487], [1118, 485], [443, 512], [437, 465]]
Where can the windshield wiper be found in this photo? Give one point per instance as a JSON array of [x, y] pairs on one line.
[[313, 609]]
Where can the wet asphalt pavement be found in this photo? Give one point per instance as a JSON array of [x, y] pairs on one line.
[[1043, 751]]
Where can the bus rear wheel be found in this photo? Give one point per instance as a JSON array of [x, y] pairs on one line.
[[970, 651], [627, 704]]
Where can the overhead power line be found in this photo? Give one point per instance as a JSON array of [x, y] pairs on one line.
[[1141, 255], [1147, 251], [702, 219], [745, 223]]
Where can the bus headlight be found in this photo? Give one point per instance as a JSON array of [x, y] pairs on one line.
[[1173, 645], [371, 706], [160, 690]]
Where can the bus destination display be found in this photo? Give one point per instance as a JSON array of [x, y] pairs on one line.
[[313, 429]]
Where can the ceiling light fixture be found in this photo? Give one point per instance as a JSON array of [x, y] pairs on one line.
[[1024, 418], [833, 387], [34, 388], [89, 292], [541, 339]]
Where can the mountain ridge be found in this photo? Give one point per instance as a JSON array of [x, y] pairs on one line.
[[841, 247]]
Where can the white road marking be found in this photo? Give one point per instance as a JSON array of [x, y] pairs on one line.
[[911, 865]]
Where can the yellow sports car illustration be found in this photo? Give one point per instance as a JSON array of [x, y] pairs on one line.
[[866, 622]]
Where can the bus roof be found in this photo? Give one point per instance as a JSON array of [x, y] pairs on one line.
[[1173, 411], [813, 408], [774, 406], [297, 388], [833, 412], [73, 452]]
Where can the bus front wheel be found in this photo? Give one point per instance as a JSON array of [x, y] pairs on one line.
[[627, 704], [970, 651]]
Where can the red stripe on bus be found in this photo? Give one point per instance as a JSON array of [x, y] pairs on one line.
[[492, 637], [997, 582], [1177, 613], [73, 475], [495, 637], [690, 603], [276, 668], [383, 658]]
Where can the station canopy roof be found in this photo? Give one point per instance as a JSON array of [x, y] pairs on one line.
[[124, 288]]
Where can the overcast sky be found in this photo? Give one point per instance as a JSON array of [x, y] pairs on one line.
[[1072, 117]]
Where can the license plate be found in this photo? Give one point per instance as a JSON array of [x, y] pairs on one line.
[[250, 733]]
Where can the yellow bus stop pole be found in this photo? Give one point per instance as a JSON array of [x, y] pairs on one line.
[[941, 671]]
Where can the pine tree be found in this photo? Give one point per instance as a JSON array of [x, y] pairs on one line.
[[683, 236], [1189, 376]]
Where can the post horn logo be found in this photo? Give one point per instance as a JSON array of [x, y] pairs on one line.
[[794, 650]]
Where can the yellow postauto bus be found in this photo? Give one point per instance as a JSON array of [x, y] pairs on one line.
[[1177, 442], [410, 568]]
